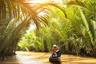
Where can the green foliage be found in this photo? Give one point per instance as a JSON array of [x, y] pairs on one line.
[[71, 25]]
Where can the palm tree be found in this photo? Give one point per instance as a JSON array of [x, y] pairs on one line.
[[15, 18]]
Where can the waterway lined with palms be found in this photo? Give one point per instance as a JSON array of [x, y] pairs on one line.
[[42, 58]]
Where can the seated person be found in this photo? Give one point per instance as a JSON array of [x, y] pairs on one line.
[[55, 55]]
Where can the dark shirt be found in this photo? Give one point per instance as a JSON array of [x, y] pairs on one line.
[[55, 56], [58, 53]]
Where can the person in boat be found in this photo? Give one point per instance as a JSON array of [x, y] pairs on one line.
[[55, 57]]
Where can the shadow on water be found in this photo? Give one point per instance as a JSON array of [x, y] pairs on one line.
[[10, 60]]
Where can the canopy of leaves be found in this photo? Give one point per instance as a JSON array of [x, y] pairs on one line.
[[70, 24]]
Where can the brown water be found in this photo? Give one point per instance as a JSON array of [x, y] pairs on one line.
[[42, 58]]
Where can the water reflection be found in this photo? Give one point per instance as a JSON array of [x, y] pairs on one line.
[[20, 59], [27, 60]]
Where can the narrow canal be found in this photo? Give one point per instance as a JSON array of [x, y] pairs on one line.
[[42, 58]]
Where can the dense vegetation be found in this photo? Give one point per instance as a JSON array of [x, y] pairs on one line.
[[71, 25]]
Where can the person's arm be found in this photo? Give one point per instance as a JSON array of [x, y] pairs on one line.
[[59, 53]]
